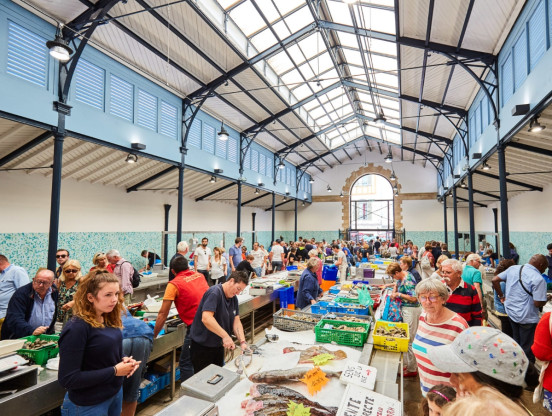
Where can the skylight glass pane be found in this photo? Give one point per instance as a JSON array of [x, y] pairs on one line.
[[340, 12], [281, 29], [382, 47], [317, 112], [378, 20], [280, 63], [302, 91], [387, 79], [296, 54], [264, 40], [312, 45], [352, 57], [247, 18], [292, 79], [389, 103], [386, 64], [270, 12], [299, 19], [348, 39], [306, 69], [285, 6]]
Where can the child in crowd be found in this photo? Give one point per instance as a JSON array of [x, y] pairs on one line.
[[437, 397]]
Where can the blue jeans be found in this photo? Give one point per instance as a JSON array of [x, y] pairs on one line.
[[258, 271], [277, 266], [110, 407], [185, 364], [139, 348]]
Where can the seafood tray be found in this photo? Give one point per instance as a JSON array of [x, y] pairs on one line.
[[41, 355], [342, 337], [388, 342], [293, 321], [348, 308], [348, 317]]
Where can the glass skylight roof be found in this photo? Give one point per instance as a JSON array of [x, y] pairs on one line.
[[328, 57]]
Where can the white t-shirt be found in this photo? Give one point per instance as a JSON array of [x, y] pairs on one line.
[[277, 251], [202, 257], [341, 255], [217, 267], [259, 256]]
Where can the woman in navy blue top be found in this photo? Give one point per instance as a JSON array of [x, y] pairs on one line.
[[309, 289], [92, 365]]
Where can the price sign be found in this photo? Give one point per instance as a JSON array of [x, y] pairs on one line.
[[297, 409], [359, 402], [315, 379], [359, 374]]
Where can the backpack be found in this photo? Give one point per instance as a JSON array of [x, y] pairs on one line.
[[425, 263], [135, 276]]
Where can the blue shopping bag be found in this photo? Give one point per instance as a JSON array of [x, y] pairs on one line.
[[392, 310]]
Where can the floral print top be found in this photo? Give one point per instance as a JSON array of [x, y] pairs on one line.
[[65, 295]]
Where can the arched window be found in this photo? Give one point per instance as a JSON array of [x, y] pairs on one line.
[[371, 211]]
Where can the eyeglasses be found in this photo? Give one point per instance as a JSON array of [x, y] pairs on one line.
[[428, 298], [42, 282], [61, 256], [70, 271]]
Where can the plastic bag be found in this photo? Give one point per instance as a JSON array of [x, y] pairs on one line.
[[364, 297]]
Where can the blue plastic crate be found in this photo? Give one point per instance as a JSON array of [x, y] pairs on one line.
[[329, 273], [288, 268], [320, 308], [148, 391], [177, 374], [349, 308], [334, 291]]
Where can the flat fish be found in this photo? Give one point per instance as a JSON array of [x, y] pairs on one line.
[[308, 354], [266, 390], [283, 376]]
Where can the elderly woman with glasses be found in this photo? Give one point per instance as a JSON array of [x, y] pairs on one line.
[[438, 325], [68, 284]]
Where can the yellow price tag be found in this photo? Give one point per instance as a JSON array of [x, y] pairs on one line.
[[322, 359], [315, 379], [297, 409]]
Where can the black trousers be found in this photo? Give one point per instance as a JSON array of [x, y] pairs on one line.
[[524, 335], [203, 356], [207, 276]]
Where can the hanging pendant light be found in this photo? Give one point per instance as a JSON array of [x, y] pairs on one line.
[[131, 158], [281, 165], [328, 188], [486, 166], [380, 120], [58, 47], [223, 134], [393, 177], [389, 157]]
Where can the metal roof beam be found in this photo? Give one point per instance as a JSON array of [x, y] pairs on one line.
[[532, 149], [512, 181], [367, 88], [456, 110], [487, 58], [475, 203], [207, 195], [324, 24], [420, 153], [255, 199], [26, 147], [280, 204], [427, 135], [151, 179]]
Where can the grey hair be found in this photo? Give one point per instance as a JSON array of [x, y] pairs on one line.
[[454, 264], [472, 257], [432, 285], [182, 246], [313, 253], [312, 263], [112, 253]]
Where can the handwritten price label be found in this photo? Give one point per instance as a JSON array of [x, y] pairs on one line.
[[315, 379], [322, 359], [297, 409]]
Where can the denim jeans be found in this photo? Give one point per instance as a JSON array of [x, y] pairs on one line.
[[185, 364], [277, 266], [110, 407], [139, 348], [524, 335], [258, 271]]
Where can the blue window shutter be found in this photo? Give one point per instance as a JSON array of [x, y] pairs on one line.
[[232, 149], [247, 159], [477, 121], [147, 110], [254, 160], [90, 84], [169, 120], [262, 164], [507, 81], [537, 34], [121, 98], [520, 60], [221, 148], [472, 129], [208, 139], [194, 136], [269, 167], [27, 55]]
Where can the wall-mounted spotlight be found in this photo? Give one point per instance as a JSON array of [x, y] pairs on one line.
[[535, 126], [138, 146], [260, 184], [521, 109], [131, 158], [213, 179], [463, 184], [222, 134], [256, 191], [218, 171], [303, 203], [476, 156], [58, 47], [285, 198], [311, 180], [486, 166]]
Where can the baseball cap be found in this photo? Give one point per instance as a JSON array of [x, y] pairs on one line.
[[482, 349]]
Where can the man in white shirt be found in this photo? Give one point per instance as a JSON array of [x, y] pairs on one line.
[[202, 260], [277, 256], [341, 262], [259, 256]]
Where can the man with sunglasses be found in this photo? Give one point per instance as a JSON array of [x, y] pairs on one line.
[[62, 255], [32, 309], [202, 260]]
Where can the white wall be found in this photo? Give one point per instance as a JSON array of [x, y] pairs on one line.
[[320, 216], [93, 207]]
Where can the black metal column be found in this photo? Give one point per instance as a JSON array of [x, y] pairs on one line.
[[495, 216], [273, 217], [238, 213], [253, 234], [166, 237], [445, 218], [55, 201], [180, 202], [455, 206], [295, 229], [503, 202], [471, 212]]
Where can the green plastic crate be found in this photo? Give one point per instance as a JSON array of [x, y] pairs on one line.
[[346, 300], [350, 338], [42, 355]]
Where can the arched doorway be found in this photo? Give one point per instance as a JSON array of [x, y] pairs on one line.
[[371, 200]]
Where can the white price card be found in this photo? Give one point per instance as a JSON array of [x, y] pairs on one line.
[[359, 375], [361, 402]]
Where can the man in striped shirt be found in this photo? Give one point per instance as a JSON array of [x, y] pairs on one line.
[[464, 299]]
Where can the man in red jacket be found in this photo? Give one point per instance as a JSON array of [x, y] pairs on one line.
[[186, 291], [542, 348]]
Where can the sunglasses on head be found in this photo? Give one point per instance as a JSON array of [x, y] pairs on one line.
[[70, 271], [61, 256]]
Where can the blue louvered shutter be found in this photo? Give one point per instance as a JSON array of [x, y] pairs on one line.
[[121, 98], [221, 148], [472, 129], [537, 34], [269, 167], [208, 139], [507, 81], [147, 110], [520, 60], [194, 137], [477, 121], [232, 149], [89, 84], [254, 160], [169, 120], [247, 160], [27, 56], [262, 164]]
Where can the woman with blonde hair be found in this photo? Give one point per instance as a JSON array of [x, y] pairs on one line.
[[487, 401], [218, 266], [92, 365], [68, 284], [438, 273], [100, 261]]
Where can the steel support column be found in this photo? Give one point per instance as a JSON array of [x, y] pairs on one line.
[[503, 201], [295, 227], [471, 212], [273, 217], [180, 203], [495, 218], [55, 201], [166, 236], [455, 206], [253, 233], [238, 210], [445, 218]]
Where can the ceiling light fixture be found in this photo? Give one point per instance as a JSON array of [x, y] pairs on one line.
[[303, 203], [260, 184], [389, 157], [222, 134], [138, 146], [328, 188], [341, 194], [535, 126], [486, 166], [58, 47], [380, 120], [463, 184], [256, 191], [285, 198], [213, 179], [218, 171], [242, 178], [131, 158], [393, 177], [281, 165], [311, 180]]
